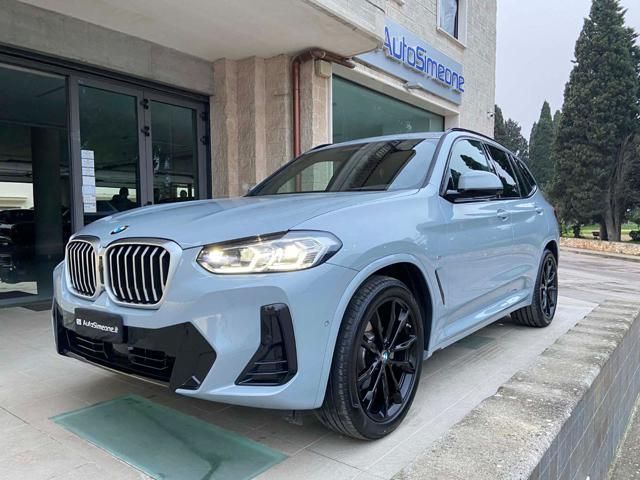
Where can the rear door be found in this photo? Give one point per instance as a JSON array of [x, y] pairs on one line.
[[479, 249], [530, 224]]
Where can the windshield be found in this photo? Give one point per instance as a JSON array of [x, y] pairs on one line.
[[373, 166]]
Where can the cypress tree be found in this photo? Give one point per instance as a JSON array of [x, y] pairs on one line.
[[557, 118], [599, 120], [542, 137], [509, 133]]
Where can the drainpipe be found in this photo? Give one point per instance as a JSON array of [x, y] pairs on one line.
[[311, 54]]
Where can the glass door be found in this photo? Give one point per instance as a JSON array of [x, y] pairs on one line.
[[110, 151], [175, 150]]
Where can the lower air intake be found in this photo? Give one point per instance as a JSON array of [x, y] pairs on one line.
[[274, 363]]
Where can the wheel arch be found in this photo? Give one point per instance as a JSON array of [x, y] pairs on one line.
[[403, 267], [552, 246], [411, 275]]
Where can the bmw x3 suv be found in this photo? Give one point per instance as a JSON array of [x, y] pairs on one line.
[[325, 287]]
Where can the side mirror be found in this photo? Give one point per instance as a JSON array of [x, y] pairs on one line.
[[478, 183]]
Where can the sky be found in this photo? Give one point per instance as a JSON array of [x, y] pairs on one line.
[[535, 46]]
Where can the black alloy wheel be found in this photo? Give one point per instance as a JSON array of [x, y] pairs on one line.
[[377, 361], [549, 287], [545, 298], [386, 361]]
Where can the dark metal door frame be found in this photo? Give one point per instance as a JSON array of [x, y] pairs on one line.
[[77, 75]]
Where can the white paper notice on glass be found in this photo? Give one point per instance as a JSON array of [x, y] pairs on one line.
[[88, 181]]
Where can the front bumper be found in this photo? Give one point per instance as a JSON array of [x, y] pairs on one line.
[[221, 337]]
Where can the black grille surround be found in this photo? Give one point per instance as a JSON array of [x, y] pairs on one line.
[[275, 362], [82, 267], [177, 355], [137, 273]]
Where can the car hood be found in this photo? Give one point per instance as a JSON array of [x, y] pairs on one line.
[[193, 224]]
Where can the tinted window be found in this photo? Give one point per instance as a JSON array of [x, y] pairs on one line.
[[504, 169], [390, 165], [526, 180], [466, 156]]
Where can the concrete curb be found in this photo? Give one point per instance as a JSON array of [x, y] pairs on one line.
[[562, 417], [597, 253]]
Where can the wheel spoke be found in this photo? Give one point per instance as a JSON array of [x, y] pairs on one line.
[[404, 316], [368, 373], [392, 321], [394, 380], [372, 393], [378, 328], [385, 392], [405, 345], [403, 365]]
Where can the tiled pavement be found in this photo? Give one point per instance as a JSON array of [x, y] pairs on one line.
[[36, 384]]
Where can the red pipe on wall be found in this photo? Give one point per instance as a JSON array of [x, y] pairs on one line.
[[312, 54]]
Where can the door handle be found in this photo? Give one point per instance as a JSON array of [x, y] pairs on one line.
[[538, 209], [502, 215]]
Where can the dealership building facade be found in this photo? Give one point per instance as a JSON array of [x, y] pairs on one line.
[[112, 104]]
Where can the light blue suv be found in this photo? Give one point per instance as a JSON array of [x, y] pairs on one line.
[[325, 287]]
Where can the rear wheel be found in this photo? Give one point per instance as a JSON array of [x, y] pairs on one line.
[[545, 298], [376, 363]]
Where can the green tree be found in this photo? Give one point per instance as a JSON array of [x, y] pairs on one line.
[[557, 118], [509, 133], [593, 152], [542, 137]]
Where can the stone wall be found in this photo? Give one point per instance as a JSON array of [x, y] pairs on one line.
[[250, 121], [563, 417], [600, 246]]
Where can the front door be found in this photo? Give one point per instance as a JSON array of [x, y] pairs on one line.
[[479, 247]]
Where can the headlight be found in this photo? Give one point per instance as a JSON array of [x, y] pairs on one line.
[[295, 250]]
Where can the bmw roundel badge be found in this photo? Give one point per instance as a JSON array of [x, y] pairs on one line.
[[119, 229]]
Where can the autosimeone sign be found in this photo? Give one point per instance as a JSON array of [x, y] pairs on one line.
[[410, 58]]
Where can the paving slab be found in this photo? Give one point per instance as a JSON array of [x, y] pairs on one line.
[[36, 383]]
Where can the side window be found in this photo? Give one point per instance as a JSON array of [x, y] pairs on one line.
[[466, 155], [527, 183], [504, 169]]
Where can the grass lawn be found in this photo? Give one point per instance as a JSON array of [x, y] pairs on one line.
[[587, 229]]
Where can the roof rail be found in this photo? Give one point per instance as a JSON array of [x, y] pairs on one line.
[[458, 129], [322, 145]]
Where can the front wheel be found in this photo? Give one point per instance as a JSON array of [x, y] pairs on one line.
[[376, 363], [545, 297]]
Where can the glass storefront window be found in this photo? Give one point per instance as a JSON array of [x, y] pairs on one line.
[[359, 112], [35, 219]]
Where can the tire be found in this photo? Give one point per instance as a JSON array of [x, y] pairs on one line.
[[545, 297], [375, 370]]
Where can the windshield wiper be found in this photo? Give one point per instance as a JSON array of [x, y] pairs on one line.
[[371, 188]]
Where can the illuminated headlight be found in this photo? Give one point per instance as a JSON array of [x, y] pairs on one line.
[[295, 250]]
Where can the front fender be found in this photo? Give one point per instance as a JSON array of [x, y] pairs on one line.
[[358, 280]]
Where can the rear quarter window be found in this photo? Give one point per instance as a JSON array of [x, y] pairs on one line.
[[525, 179]]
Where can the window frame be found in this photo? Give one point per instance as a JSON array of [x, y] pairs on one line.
[[511, 163], [460, 36], [520, 164], [446, 173]]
